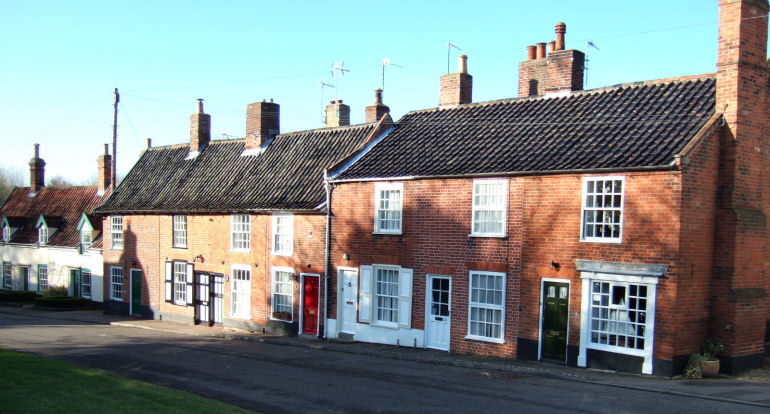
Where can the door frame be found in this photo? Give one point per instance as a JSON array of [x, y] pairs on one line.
[[428, 287], [340, 299], [302, 277], [197, 299], [131, 290], [542, 316]]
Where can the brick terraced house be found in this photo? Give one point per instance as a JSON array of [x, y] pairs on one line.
[[611, 228], [50, 238], [229, 232]]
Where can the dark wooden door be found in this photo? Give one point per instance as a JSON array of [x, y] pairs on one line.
[[310, 305], [555, 321], [136, 292]]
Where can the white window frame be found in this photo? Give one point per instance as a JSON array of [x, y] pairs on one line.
[[116, 232], [239, 296], [368, 303], [42, 278], [42, 235], [283, 234], [84, 285], [179, 231], [86, 238], [389, 207], [6, 234], [116, 283], [391, 296], [278, 288], [650, 282], [487, 306], [585, 209], [240, 232], [500, 207], [179, 280], [7, 275]]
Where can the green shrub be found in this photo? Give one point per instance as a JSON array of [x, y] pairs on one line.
[[694, 368], [55, 292], [17, 296], [61, 302]]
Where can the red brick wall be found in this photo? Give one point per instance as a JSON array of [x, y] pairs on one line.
[[543, 227], [148, 244]]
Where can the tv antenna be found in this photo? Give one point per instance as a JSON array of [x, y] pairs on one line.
[[387, 62], [589, 44], [449, 47], [323, 112], [337, 71]]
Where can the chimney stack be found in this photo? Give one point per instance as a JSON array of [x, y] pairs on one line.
[[104, 167], [263, 121], [200, 129], [457, 88], [337, 114], [376, 111], [36, 171], [739, 283], [562, 71]]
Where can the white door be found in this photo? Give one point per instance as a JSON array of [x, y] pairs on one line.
[[438, 321], [349, 288]]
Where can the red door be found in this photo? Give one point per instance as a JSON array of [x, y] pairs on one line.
[[310, 307]]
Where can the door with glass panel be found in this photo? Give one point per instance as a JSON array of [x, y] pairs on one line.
[[438, 319]]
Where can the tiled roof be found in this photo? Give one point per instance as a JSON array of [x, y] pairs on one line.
[[64, 206], [288, 175], [627, 126]]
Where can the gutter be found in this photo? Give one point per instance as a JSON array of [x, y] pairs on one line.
[[664, 167]]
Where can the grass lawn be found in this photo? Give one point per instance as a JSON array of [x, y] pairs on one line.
[[32, 384]]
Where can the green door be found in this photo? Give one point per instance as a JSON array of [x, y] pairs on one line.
[[555, 321], [136, 292], [75, 281]]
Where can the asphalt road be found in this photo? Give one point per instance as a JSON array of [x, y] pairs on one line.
[[285, 379]]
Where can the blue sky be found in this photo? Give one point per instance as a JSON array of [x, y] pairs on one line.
[[61, 61]]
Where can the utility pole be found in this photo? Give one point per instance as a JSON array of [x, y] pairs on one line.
[[114, 180]]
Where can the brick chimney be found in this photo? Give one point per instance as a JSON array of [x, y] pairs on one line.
[[200, 129], [457, 88], [36, 171], [104, 168], [558, 71], [376, 111], [337, 114], [263, 121], [739, 305]]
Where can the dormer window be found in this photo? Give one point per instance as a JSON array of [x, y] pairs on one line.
[[42, 235], [6, 234], [86, 238]]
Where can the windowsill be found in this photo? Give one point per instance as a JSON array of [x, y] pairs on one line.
[[488, 236], [241, 251], [281, 254], [603, 241], [179, 247], [387, 325], [179, 304], [484, 339], [116, 249], [388, 233], [282, 320], [240, 317]]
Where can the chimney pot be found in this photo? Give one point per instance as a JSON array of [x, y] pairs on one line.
[[540, 50], [551, 46], [200, 105], [531, 52], [561, 29], [149, 143], [462, 64], [106, 149]]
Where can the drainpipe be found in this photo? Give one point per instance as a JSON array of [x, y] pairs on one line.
[[327, 245]]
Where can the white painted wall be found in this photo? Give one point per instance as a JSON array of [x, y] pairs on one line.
[[389, 336], [59, 260]]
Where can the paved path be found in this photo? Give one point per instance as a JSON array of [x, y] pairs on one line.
[[277, 374]]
